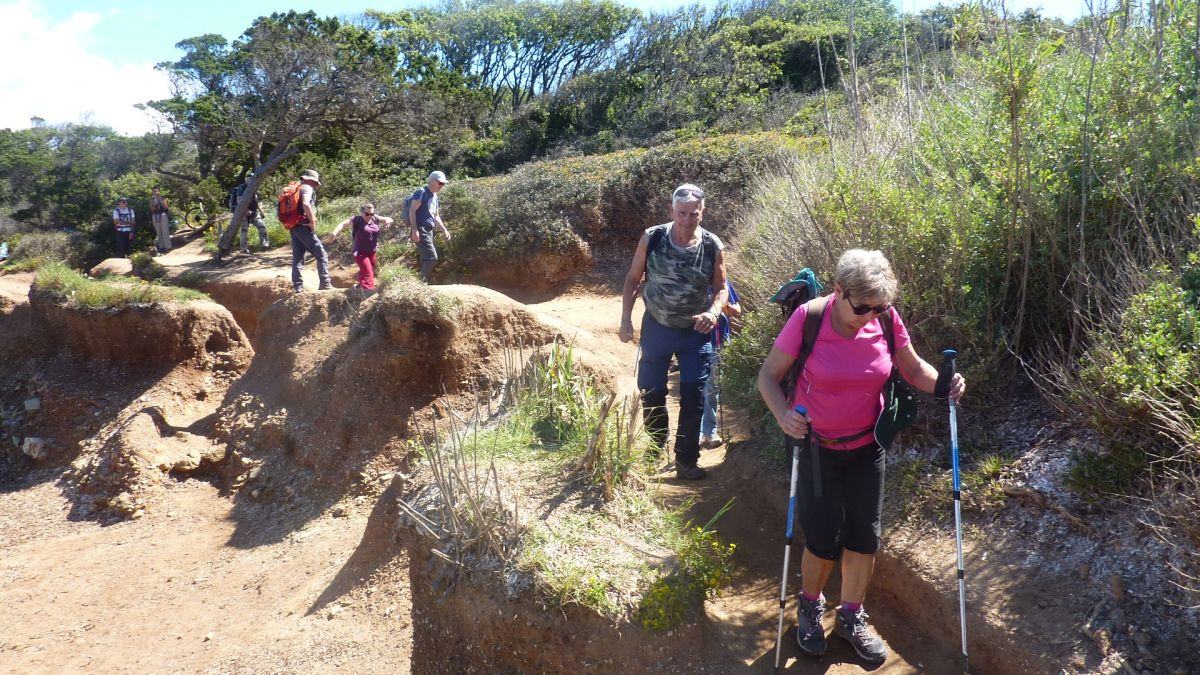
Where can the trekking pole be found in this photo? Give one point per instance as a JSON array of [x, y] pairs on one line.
[[787, 546], [942, 390]]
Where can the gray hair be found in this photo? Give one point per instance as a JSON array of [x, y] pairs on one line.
[[867, 275]]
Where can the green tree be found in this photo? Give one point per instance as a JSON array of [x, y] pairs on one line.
[[289, 79]]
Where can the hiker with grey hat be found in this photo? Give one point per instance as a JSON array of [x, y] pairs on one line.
[[424, 213], [684, 295], [304, 235]]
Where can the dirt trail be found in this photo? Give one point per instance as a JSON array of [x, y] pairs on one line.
[[198, 585], [740, 624]]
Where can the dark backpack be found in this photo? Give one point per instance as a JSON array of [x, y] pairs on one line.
[[406, 206], [235, 194]]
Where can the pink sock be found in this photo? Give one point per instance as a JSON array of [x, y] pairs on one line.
[[851, 607], [810, 598]]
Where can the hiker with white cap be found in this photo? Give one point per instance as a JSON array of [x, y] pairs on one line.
[[424, 213], [304, 235], [684, 295], [124, 223]]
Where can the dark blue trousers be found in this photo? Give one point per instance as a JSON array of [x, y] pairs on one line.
[[693, 350]]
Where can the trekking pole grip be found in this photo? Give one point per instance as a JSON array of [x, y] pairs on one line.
[[945, 374]]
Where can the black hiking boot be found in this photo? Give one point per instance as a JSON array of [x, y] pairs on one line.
[[855, 630], [689, 471], [810, 634]]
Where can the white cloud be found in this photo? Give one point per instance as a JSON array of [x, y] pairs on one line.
[[51, 70]]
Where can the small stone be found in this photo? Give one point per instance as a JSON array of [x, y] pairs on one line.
[[1103, 640], [256, 493], [35, 448], [1042, 604], [1116, 587], [209, 637], [33, 404], [333, 611], [339, 512]]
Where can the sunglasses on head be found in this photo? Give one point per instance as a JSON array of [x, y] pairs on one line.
[[864, 309], [689, 192]]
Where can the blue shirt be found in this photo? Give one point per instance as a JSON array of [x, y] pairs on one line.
[[427, 210]]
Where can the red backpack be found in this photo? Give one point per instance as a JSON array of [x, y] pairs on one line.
[[289, 210]]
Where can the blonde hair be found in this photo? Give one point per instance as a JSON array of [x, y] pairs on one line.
[[866, 275]]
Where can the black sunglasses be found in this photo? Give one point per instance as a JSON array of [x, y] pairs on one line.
[[689, 192], [864, 309]]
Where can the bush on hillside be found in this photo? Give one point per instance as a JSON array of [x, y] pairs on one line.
[[564, 209]]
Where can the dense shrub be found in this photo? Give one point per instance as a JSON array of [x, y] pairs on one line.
[[567, 209]]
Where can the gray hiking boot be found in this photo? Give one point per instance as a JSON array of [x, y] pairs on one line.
[[810, 634], [689, 471], [855, 630]]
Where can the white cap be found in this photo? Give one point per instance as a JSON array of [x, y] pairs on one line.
[[439, 177]]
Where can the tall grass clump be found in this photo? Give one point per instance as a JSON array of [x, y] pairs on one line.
[[561, 438]]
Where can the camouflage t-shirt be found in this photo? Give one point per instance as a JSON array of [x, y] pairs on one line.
[[678, 280]]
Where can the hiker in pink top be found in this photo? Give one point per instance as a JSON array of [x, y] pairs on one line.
[[841, 386]]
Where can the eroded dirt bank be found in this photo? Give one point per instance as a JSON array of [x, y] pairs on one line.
[[264, 533]]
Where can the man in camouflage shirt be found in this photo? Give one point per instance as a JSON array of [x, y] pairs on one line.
[[684, 293]]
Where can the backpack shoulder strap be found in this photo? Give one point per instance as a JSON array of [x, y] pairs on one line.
[[812, 326], [885, 322], [815, 313], [710, 245], [656, 237]]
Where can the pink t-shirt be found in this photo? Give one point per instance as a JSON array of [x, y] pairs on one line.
[[842, 382]]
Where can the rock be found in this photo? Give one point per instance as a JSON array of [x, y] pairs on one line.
[[1103, 640], [339, 512], [209, 637], [1116, 587], [1042, 604], [35, 448], [118, 266], [33, 404], [333, 611]]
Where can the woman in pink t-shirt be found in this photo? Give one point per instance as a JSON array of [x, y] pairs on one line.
[[841, 386]]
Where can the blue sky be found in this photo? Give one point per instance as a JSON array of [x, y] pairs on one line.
[[91, 60]]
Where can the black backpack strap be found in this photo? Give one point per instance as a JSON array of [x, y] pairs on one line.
[[656, 236], [815, 314], [710, 246], [885, 322]]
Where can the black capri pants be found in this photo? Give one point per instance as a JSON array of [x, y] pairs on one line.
[[847, 514]]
